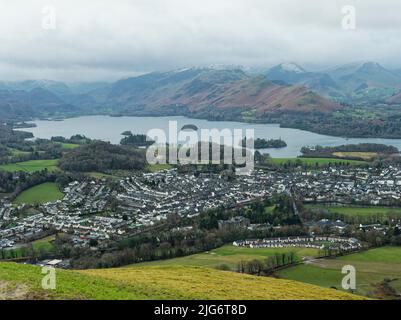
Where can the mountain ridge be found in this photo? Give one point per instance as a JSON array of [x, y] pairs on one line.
[[190, 91]]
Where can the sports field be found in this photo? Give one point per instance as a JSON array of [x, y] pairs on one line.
[[40, 194]]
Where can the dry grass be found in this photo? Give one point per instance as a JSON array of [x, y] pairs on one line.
[[156, 283], [179, 282], [356, 155]]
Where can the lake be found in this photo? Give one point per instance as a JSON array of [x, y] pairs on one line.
[[110, 128]]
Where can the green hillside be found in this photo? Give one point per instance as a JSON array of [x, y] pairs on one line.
[[19, 281]]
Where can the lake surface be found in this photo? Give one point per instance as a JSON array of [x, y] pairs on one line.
[[110, 128]]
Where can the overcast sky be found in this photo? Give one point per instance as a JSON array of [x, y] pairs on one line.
[[110, 39]]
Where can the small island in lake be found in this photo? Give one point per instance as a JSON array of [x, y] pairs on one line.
[[189, 127], [266, 144], [137, 140]]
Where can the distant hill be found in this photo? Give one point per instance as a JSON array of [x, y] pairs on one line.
[[19, 281], [354, 75], [210, 93], [395, 99], [287, 94], [213, 93], [292, 73], [19, 104], [354, 82], [56, 87]]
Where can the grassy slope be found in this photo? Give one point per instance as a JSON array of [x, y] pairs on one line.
[[204, 283], [30, 166], [159, 283], [39, 194], [372, 268], [230, 256]]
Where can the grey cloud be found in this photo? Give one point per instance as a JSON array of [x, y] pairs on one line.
[[105, 39]]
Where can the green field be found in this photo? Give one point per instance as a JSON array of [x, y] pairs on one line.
[[16, 152], [44, 244], [158, 167], [39, 194], [19, 281], [313, 161], [360, 211], [69, 146], [230, 256], [372, 267], [31, 166], [100, 175]]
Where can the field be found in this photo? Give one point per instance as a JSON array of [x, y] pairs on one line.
[[360, 211], [360, 155], [39, 194], [44, 244], [158, 167], [69, 146], [101, 175], [372, 268], [16, 152], [19, 281], [230, 256], [30, 166], [314, 161]]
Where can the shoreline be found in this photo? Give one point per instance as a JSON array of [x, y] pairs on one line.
[[257, 122]]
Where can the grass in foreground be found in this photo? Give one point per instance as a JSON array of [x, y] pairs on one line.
[[31, 166], [176, 283], [180, 282], [372, 268], [230, 256], [40, 194]]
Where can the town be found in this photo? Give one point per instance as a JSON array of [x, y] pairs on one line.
[[92, 210]]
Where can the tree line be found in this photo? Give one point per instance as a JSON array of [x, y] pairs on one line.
[[269, 265]]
